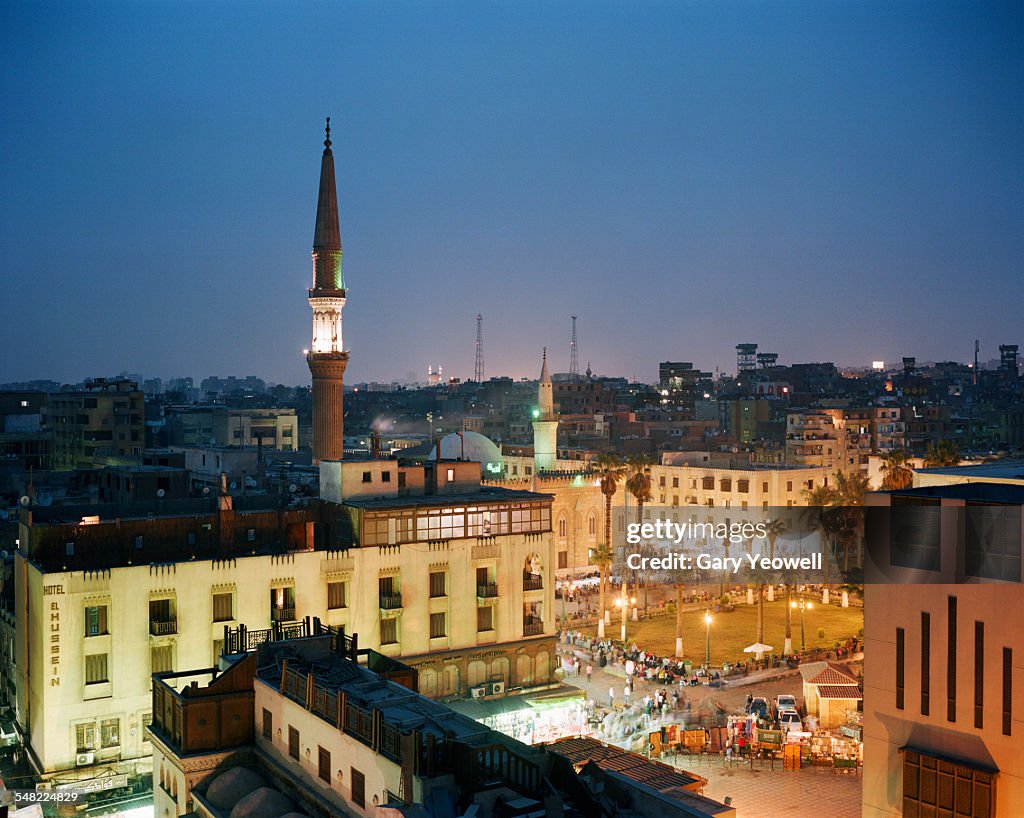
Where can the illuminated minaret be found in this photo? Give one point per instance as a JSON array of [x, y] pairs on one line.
[[545, 424], [327, 358]]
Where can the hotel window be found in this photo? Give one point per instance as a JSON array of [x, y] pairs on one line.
[[563, 559], [96, 669], [324, 764], [914, 533], [268, 725], [388, 631], [951, 659], [437, 584], [96, 620], [437, 625], [764, 488], [335, 595], [979, 673], [222, 607], [358, 788], [993, 541], [110, 733], [709, 484], [161, 658], [293, 742], [789, 485], [484, 619], [743, 486], [85, 737], [675, 482], [1007, 689], [900, 645], [367, 477], [926, 661], [726, 484], [937, 786]]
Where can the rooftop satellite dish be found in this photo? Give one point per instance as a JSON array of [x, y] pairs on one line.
[[206, 489], [45, 498], [24, 501], [250, 482], [3, 514], [160, 492], [3, 555], [233, 485], [293, 487]]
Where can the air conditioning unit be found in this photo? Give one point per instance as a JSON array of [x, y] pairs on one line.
[[478, 692], [83, 759], [497, 688]]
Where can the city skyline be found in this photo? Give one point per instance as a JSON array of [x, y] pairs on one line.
[[824, 183]]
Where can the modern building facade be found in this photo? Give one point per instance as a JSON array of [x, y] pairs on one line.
[[944, 680]]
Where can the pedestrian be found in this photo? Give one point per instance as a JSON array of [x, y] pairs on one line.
[[611, 697], [590, 672], [625, 693]]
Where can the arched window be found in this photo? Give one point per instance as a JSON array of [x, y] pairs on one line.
[[561, 526], [592, 524]]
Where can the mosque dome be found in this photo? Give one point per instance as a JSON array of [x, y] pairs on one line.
[[472, 446]]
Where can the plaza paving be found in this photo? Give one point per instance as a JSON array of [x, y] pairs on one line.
[[761, 792]]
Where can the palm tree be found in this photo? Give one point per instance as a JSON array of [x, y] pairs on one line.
[[638, 483], [896, 470], [821, 513], [943, 453], [610, 472], [850, 489]]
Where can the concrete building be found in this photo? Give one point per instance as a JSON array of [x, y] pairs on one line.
[[105, 417], [204, 426], [326, 356], [305, 728], [398, 554], [951, 630]]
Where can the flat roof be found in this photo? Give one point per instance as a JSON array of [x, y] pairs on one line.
[[484, 495], [985, 492], [1008, 469]]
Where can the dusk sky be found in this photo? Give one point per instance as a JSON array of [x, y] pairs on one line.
[[836, 181]]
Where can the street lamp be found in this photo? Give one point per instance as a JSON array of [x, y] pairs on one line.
[[803, 604], [707, 638]]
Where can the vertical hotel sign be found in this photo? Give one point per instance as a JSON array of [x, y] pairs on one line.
[[50, 592]]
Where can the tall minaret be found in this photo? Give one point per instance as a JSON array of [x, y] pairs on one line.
[[326, 357], [545, 424]]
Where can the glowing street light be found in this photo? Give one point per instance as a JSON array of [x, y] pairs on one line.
[[707, 638], [801, 606]]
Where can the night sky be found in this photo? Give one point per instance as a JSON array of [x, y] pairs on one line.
[[836, 181]]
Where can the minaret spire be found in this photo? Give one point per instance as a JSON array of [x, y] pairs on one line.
[[327, 274], [327, 358], [545, 424]]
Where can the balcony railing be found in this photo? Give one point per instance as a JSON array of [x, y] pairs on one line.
[[163, 627], [487, 590], [390, 602], [282, 614], [533, 582], [533, 627]]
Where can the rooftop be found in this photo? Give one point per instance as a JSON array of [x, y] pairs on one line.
[[486, 494]]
